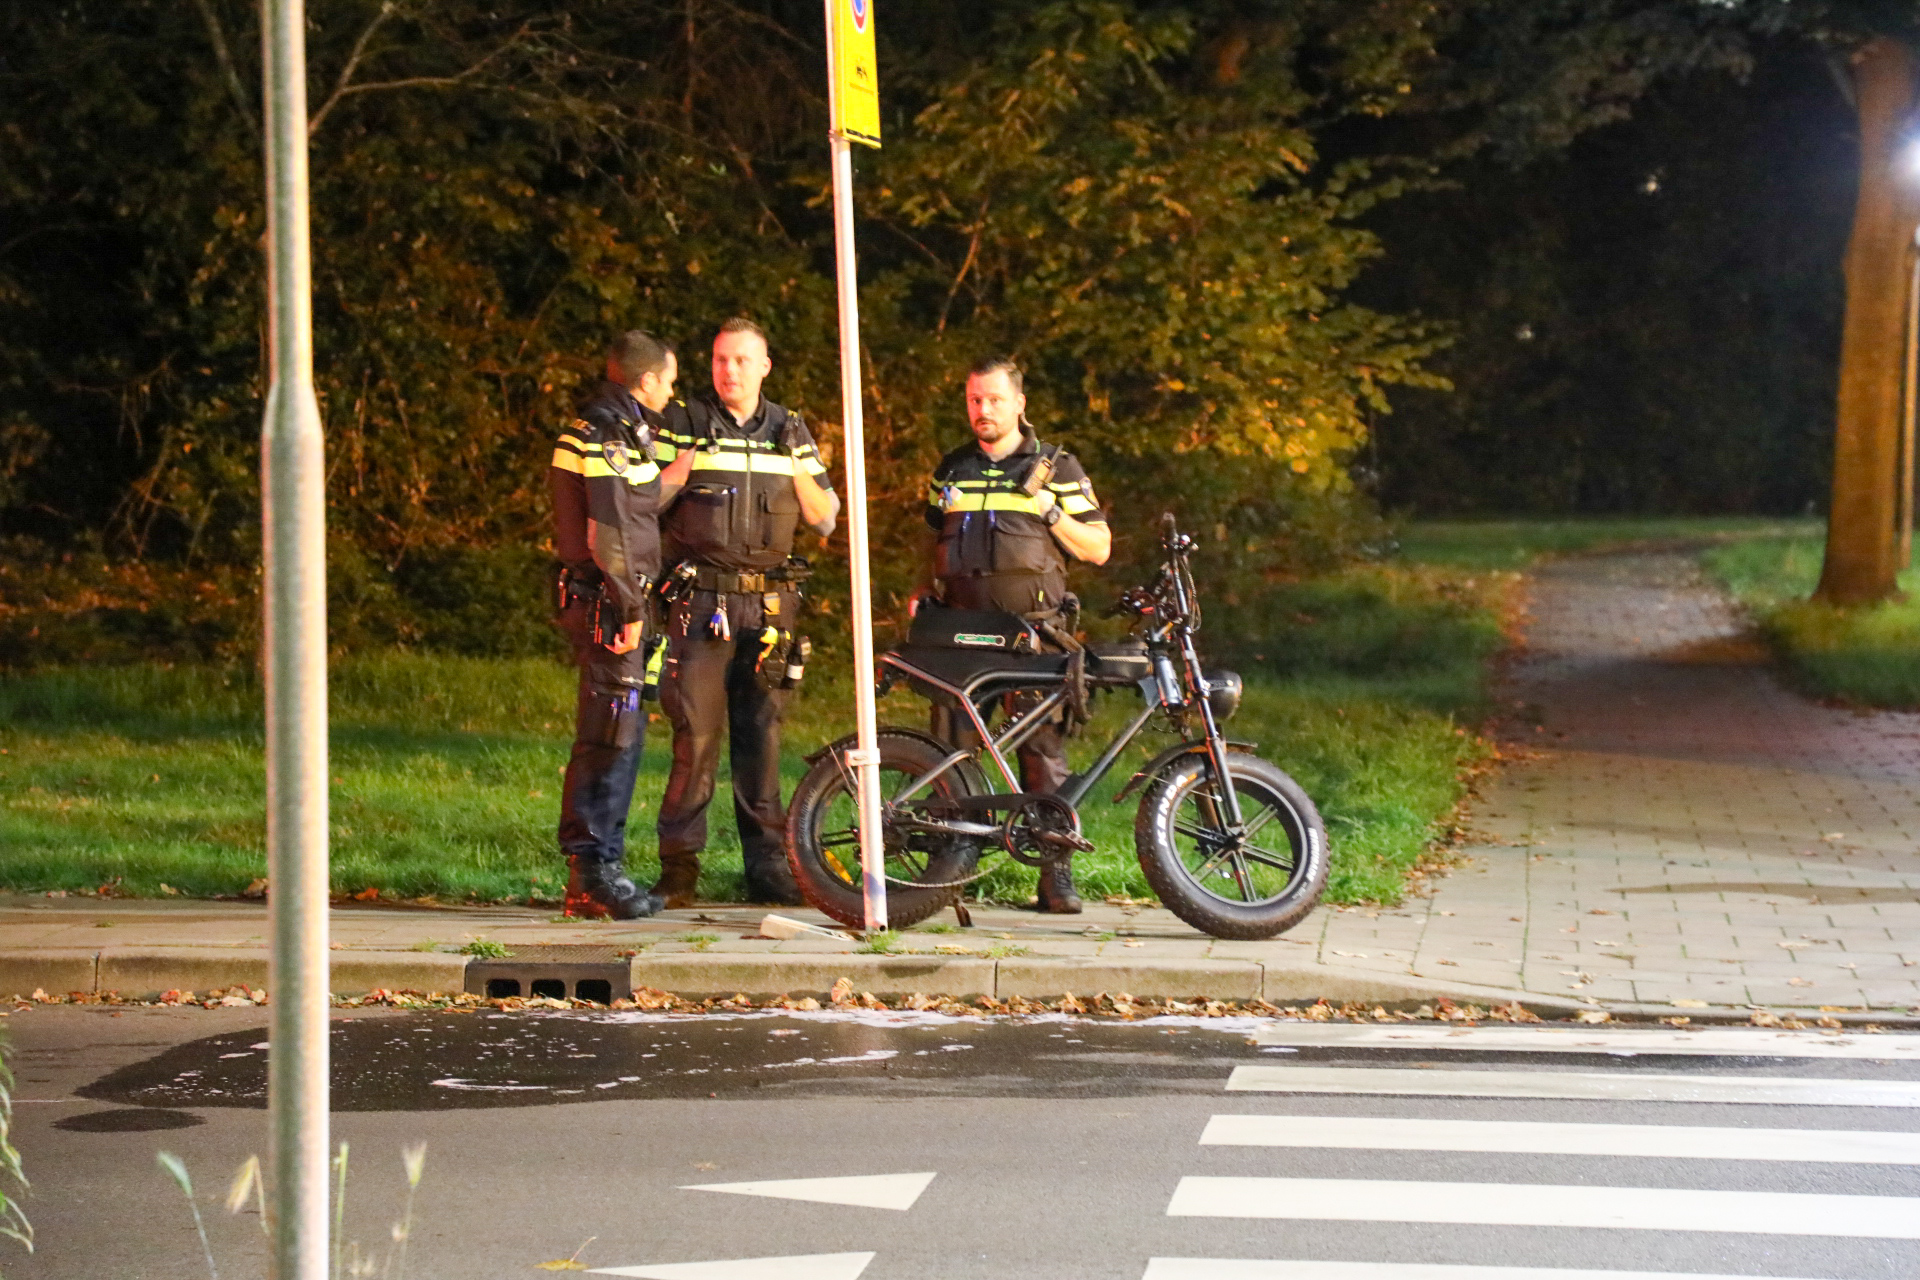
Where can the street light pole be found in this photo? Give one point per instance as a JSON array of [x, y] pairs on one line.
[[294, 545]]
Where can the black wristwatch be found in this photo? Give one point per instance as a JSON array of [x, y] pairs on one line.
[[1053, 515]]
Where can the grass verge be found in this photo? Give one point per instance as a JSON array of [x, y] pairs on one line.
[[1515, 544], [1866, 656], [446, 770]]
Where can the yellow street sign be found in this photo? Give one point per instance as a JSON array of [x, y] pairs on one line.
[[853, 74]]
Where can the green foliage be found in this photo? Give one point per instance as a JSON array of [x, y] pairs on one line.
[[1868, 655], [1129, 196], [486, 949], [881, 942]]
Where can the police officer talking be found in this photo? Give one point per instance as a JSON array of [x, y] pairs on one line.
[[754, 476], [1009, 511], [607, 488]]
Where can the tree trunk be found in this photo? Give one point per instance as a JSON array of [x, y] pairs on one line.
[[1860, 565]]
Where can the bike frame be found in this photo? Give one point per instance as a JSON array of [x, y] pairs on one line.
[[1164, 688]]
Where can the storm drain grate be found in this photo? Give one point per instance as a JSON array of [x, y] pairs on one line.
[[594, 972]]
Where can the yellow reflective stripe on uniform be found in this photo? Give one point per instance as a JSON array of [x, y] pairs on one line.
[[759, 464], [812, 466], [995, 502], [598, 469], [568, 460], [1076, 503]]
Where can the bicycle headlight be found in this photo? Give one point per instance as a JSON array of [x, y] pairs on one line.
[[1223, 694]]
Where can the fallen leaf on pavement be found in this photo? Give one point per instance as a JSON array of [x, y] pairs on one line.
[[1799, 982], [1454, 963], [1593, 1015], [1689, 1004], [568, 1264], [1792, 946], [1352, 955]]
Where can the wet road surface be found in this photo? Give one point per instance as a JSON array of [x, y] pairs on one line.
[[943, 1148]]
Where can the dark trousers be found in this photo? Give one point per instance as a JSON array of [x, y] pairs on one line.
[[609, 730], [710, 685]]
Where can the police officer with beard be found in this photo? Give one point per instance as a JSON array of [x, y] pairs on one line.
[[607, 489], [753, 476], [1009, 510]]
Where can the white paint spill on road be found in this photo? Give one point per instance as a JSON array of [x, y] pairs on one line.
[[1255, 1269], [811, 1266], [869, 1191], [1709, 1041], [1523, 1205], [1592, 1085], [1832, 1146]]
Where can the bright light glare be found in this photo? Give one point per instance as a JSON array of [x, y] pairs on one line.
[[1908, 161]]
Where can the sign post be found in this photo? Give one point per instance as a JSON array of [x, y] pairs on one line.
[[293, 537], [854, 93]]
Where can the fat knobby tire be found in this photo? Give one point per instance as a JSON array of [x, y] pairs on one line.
[[1258, 781], [902, 754]]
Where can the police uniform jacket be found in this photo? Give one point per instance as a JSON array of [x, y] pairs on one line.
[[995, 551], [606, 499], [739, 511]]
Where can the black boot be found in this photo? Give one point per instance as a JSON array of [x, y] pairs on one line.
[[771, 881], [1057, 894], [679, 882], [599, 890]]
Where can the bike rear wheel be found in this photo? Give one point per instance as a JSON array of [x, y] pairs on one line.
[[823, 833], [1251, 882]]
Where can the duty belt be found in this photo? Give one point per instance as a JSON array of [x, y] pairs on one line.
[[728, 582]]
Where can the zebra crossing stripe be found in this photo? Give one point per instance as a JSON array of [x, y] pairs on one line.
[[1832, 1146], [1525, 1205], [1253, 1269], [1588, 1085], [1710, 1041]]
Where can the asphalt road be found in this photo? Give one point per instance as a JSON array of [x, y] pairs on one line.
[[1157, 1151]]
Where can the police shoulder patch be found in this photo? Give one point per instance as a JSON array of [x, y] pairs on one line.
[[617, 456]]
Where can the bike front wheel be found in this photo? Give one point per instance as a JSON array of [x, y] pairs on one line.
[[1250, 881], [922, 868]]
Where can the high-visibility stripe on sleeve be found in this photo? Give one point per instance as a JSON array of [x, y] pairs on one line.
[[663, 451], [637, 473], [1077, 503], [568, 460]]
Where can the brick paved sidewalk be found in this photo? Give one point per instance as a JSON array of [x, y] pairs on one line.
[[1688, 831]]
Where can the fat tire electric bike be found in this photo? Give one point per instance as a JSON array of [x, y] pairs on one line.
[[1229, 842]]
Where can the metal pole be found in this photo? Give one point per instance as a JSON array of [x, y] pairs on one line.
[[865, 760], [1903, 498], [293, 535]]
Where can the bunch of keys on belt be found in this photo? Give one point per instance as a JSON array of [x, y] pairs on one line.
[[719, 624]]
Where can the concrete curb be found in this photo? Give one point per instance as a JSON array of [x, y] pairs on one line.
[[145, 972]]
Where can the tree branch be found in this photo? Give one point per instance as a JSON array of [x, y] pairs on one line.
[[351, 65], [218, 38], [343, 87]]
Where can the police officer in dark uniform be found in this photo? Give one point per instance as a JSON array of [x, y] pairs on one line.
[[607, 488], [1009, 511], [753, 476]]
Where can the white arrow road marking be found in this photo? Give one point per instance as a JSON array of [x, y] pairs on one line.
[[869, 1191], [1731, 1042], [1833, 1146], [1239, 1269], [1514, 1204], [810, 1266], [1635, 1087]]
